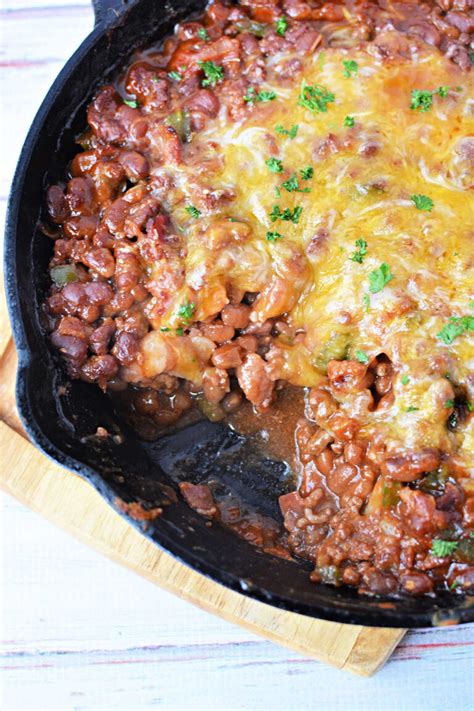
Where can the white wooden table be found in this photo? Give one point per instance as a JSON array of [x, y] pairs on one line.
[[78, 631]]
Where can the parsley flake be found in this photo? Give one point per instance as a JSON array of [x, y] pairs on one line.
[[449, 403], [130, 102], [291, 133], [315, 98], [292, 185], [307, 173], [441, 548], [273, 236], [349, 121], [175, 75], [456, 326], [186, 311], [350, 68], [359, 255], [262, 96], [281, 26], [275, 165], [203, 34], [164, 329], [405, 379], [421, 100], [193, 211], [422, 202], [379, 278], [361, 356], [412, 409], [179, 331], [287, 215], [366, 302], [214, 73]]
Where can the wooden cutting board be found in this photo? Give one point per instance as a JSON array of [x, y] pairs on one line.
[[68, 501]]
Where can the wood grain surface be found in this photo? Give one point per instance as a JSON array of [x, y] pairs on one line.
[[78, 631]]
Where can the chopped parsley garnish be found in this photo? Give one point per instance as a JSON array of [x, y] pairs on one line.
[[315, 98], [193, 211], [470, 408], [307, 173], [281, 25], [175, 75], [441, 548], [421, 100], [291, 133], [349, 121], [366, 302], [251, 96], [186, 311], [456, 326], [273, 236], [405, 379], [213, 72], [412, 409], [379, 278], [350, 67], [287, 215], [361, 356], [292, 185], [179, 331], [266, 96], [275, 165], [359, 255], [277, 191], [422, 202], [203, 34], [164, 329], [130, 102], [449, 403]]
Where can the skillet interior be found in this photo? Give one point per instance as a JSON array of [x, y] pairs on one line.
[[137, 470]]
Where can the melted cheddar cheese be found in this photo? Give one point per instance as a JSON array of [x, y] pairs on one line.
[[364, 178]]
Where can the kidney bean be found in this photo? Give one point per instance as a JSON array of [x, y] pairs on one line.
[[416, 583], [70, 346], [80, 196], [101, 261], [100, 367], [409, 466], [135, 165], [227, 356], [215, 383], [231, 402], [98, 292], [254, 381], [236, 316], [101, 336], [126, 348], [205, 102], [248, 343], [58, 207], [217, 331], [82, 226]]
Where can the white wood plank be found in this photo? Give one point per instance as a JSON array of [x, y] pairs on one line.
[[93, 636]]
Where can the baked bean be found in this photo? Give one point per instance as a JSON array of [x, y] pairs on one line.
[[215, 383], [227, 356], [236, 316], [217, 331]]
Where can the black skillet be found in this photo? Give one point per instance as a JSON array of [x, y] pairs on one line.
[[61, 426]]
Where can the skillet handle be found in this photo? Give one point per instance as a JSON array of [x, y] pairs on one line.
[[106, 12]]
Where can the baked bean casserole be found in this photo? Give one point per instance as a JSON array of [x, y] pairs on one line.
[[271, 221]]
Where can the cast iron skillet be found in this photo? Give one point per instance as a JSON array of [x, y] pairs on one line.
[[61, 426]]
